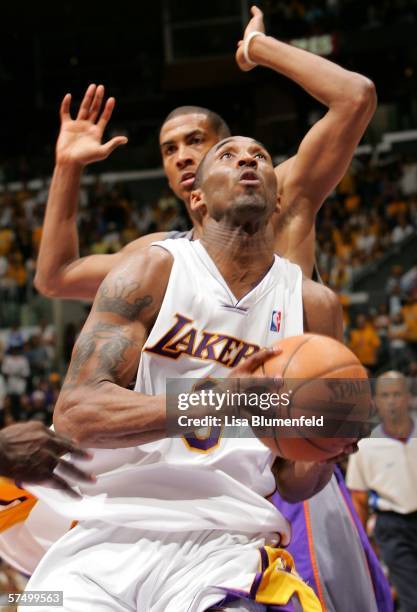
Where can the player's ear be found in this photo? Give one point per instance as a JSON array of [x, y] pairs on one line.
[[197, 200]]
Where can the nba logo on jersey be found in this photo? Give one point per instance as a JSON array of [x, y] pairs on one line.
[[275, 321]]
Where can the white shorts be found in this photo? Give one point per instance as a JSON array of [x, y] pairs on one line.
[[105, 568]]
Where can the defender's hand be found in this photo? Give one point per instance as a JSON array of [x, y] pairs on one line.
[[30, 451], [80, 140], [255, 24]]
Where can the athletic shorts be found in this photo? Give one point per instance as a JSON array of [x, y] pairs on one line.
[[106, 568]]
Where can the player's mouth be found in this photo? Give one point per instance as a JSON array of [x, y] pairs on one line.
[[249, 177], [187, 179]]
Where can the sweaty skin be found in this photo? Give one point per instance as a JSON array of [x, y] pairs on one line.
[[304, 180], [94, 407]]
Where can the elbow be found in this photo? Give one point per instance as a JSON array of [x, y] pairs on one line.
[[363, 97], [46, 286]]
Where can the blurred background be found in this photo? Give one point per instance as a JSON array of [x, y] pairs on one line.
[[153, 57]]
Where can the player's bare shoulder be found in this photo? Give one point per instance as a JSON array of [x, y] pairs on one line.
[[322, 310], [135, 288]]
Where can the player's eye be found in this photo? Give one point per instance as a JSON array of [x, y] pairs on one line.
[[225, 155], [169, 150], [260, 155], [196, 140]]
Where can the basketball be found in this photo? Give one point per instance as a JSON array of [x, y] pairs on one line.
[[329, 398]]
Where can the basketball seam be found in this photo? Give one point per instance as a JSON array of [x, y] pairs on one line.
[[294, 353], [339, 367]]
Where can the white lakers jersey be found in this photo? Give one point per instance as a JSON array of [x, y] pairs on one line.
[[195, 482]]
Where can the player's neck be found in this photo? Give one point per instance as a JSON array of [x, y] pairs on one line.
[[399, 428], [242, 258]]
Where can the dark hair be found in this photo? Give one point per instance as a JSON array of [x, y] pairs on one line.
[[218, 124]]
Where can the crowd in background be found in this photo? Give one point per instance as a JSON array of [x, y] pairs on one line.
[[29, 380], [310, 17], [373, 210]]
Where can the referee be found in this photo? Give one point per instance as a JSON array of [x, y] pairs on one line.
[[383, 476]]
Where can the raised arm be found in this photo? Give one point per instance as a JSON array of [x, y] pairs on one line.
[[94, 407], [323, 157], [60, 272]]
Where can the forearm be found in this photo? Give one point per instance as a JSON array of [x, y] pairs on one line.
[[59, 243], [329, 83], [105, 415], [300, 480]]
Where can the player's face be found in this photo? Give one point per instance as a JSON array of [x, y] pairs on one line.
[[239, 182], [184, 141], [392, 399]]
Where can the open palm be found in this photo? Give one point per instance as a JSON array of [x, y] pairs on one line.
[[80, 139]]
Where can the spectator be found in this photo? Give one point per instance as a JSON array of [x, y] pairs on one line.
[[37, 356], [395, 299], [409, 312], [402, 230], [397, 332], [16, 370], [39, 410], [14, 337], [365, 342], [385, 471]]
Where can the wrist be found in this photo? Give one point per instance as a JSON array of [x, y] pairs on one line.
[[69, 165], [247, 47], [266, 50]]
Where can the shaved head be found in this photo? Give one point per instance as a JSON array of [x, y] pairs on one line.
[[391, 375]]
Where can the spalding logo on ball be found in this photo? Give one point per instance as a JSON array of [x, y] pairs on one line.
[[324, 378]]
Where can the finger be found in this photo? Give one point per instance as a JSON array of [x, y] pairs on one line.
[[256, 11], [110, 146], [256, 360], [86, 102], [69, 469], [106, 114], [63, 444], [64, 110], [96, 104], [62, 484]]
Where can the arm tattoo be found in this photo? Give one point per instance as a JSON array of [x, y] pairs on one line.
[[110, 354], [117, 300]]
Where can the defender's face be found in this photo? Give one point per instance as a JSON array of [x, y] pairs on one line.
[[239, 181], [392, 399], [184, 141]]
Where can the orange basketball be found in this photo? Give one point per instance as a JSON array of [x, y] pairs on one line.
[[323, 379]]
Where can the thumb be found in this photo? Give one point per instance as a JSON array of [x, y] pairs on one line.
[[256, 11], [109, 147]]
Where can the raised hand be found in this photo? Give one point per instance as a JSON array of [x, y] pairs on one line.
[[256, 24], [80, 140]]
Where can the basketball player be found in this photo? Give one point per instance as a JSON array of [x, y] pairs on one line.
[[181, 524], [304, 180]]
